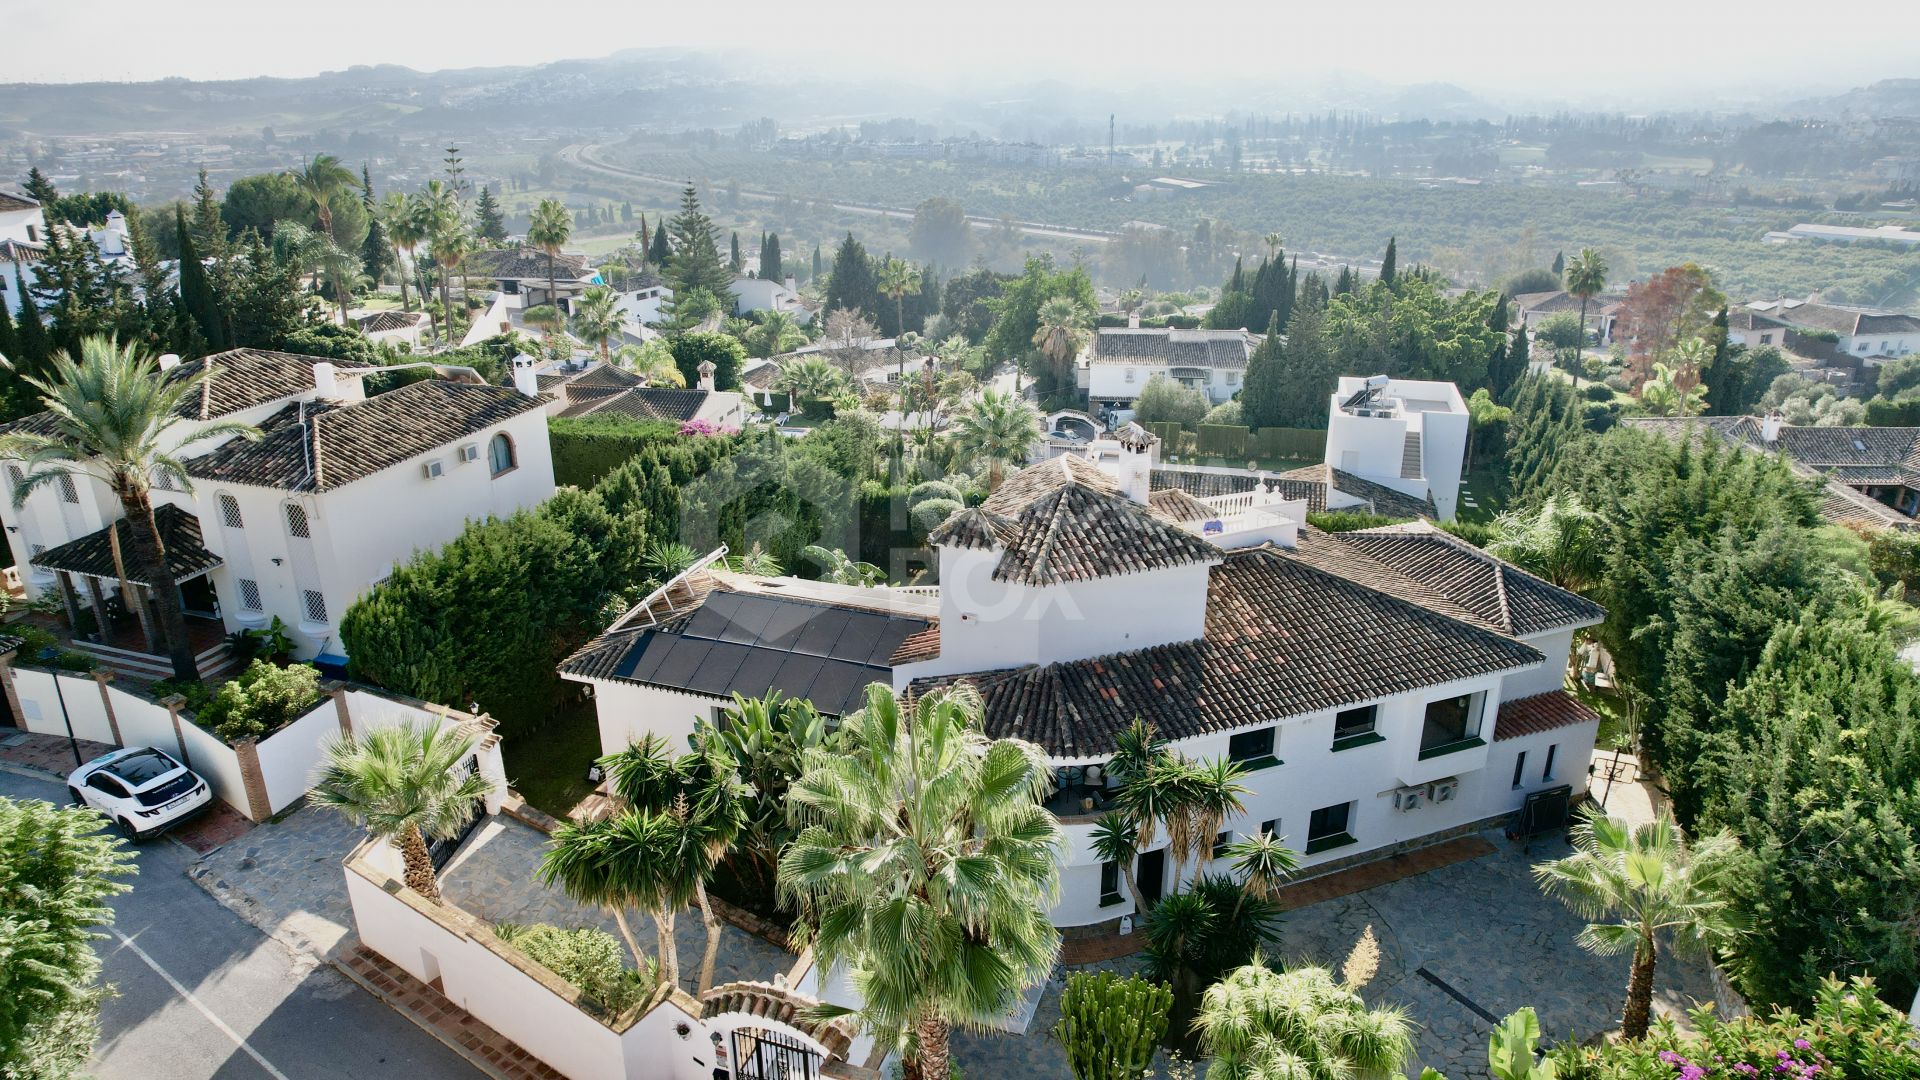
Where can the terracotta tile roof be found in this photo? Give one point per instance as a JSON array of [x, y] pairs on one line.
[[11, 200], [1020, 489], [321, 446], [1541, 712], [243, 378], [1203, 485], [1498, 593], [382, 321], [20, 251], [1178, 506], [640, 402], [1174, 348], [526, 263], [1379, 498], [1283, 637], [783, 1005], [924, 645], [974, 527], [92, 554], [1849, 321]]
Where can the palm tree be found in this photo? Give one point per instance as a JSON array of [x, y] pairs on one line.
[[1651, 882], [1258, 1023], [777, 333], [448, 243], [549, 229], [1586, 276], [1263, 863], [320, 179], [1000, 428], [343, 270], [404, 783], [403, 229], [1561, 541], [925, 868], [652, 362], [597, 318], [578, 861], [1210, 795], [1130, 302], [1691, 358], [1667, 394], [1062, 330], [1274, 243], [627, 859], [809, 379], [1117, 840], [114, 417], [898, 278]]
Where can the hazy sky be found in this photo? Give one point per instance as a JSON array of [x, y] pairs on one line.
[[1628, 47]]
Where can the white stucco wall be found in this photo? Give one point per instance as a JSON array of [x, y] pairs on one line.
[[628, 711]]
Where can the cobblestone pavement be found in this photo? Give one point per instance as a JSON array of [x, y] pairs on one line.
[[285, 878], [1480, 927], [493, 877]]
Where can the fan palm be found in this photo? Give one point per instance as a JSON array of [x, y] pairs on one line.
[[113, 416], [1560, 541], [320, 179], [1117, 840], [809, 379], [447, 238], [1000, 429], [1586, 276], [898, 278], [1258, 1024], [1651, 883], [777, 333], [1062, 330], [924, 868], [403, 230], [597, 318], [549, 228], [404, 783]]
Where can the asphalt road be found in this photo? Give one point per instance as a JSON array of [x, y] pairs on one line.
[[202, 994]]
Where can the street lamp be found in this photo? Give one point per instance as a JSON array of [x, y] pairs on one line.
[[49, 655]]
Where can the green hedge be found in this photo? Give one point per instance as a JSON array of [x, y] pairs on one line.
[[1223, 440], [1306, 444], [1884, 413], [586, 449], [1167, 430]]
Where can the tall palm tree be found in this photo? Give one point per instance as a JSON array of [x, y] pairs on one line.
[[777, 333], [402, 784], [1274, 243], [403, 229], [344, 272], [1586, 276], [702, 795], [1000, 428], [1130, 302], [1691, 359], [579, 862], [925, 867], [1117, 840], [1061, 332], [1258, 1023], [1651, 883], [320, 179], [115, 417], [549, 229], [627, 859], [448, 242], [898, 278], [597, 318], [1209, 797]]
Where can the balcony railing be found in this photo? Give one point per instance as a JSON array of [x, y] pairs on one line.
[[1454, 747]]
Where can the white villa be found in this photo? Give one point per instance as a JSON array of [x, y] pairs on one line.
[[1119, 361], [301, 523], [1386, 688], [1874, 336]]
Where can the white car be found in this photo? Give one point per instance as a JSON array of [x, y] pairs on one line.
[[142, 790]]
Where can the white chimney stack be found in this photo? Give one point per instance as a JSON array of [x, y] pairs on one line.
[[1133, 319], [1770, 427], [326, 383], [792, 283], [706, 375], [169, 361], [524, 379], [1139, 451]]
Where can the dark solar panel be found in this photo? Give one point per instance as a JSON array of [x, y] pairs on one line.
[[685, 659], [789, 621], [715, 673], [645, 656], [841, 687], [796, 675], [823, 631], [887, 640], [757, 673]]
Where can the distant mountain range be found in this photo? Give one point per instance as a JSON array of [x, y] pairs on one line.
[[1886, 98]]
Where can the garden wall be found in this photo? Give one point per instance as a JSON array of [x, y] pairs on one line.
[[259, 779]]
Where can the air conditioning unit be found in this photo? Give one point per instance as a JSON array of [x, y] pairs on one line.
[[1445, 790], [433, 469], [1410, 798], [470, 452]]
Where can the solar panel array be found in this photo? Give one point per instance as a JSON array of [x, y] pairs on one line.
[[754, 643]]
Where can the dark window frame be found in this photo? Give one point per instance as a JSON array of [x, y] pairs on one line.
[[1110, 893], [1254, 749], [1321, 836], [1444, 736], [1520, 770]]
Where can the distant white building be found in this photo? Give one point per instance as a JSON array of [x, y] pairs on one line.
[[1853, 234], [302, 522], [1403, 434], [21, 246], [1383, 689], [1860, 332], [1119, 361], [751, 294], [403, 328]]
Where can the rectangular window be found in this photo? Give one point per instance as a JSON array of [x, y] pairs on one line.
[[1449, 725], [1129, 374], [1330, 827], [229, 511], [316, 605], [1109, 884], [1354, 727], [68, 493], [1221, 841], [1270, 827], [1520, 769], [1546, 773], [1252, 748], [1766, 339], [1233, 377], [250, 595], [297, 522]]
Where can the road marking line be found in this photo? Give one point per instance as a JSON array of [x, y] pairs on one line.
[[204, 1011]]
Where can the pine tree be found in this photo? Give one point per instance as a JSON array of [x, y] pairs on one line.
[[74, 288], [196, 290], [1310, 374], [40, 189], [662, 250], [696, 262], [770, 261], [489, 222], [156, 329], [854, 284], [1387, 263], [1343, 284], [734, 261]]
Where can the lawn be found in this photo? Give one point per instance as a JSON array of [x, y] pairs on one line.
[[1480, 498], [548, 767]]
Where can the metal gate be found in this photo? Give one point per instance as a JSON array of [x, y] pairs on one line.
[[760, 1054]]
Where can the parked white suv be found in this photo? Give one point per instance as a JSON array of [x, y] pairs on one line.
[[140, 789]]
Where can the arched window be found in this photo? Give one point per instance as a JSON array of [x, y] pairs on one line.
[[500, 454], [229, 511]]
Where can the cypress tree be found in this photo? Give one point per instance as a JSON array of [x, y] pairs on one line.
[[1260, 400], [644, 239], [196, 290], [8, 346], [626, 212], [376, 251], [1387, 263], [734, 261], [854, 284], [816, 262], [29, 335], [771, 262], [661, 251], [1344, 283], [1559, 265]]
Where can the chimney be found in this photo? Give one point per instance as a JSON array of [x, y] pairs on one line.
[[169, 361], [1133, 319], [1139, 450], [524, 380], [326, 384], [1770, 427], [792, 284], [706, 375]]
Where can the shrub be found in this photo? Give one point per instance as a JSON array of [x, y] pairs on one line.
[[1597, 392], [197, 693], [263, 699], [1477, 533], [591, 959], [933, 489], [1164, 401], [586, 449], [1227, 412], [1111, 1024], [1349, 520], [929, 514], [1618, 384]]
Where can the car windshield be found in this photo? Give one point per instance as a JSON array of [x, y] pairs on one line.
[[142, 767]]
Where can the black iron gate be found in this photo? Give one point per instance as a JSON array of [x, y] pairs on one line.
[[441, 851], [760, 1054]]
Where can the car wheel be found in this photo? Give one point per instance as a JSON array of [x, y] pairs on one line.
[[127, 831], [73, 793]]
